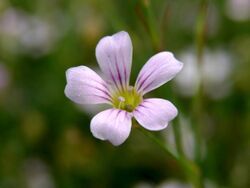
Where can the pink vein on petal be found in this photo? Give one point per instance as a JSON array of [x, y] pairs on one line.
[[146, 77]]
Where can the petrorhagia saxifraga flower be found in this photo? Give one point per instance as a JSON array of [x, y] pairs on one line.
[[114, 56]]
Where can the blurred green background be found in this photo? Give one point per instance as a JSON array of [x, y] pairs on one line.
[[45, 141]]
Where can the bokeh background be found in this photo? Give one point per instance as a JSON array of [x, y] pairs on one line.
[[45, 141]]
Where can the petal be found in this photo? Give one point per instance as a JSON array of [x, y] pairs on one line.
[[84, 86], [159, 69], [113, 125], [114, 56], [154, 114]]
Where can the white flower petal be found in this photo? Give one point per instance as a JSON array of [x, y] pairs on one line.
[[154, 114], [113, 125], [114, 56], [158, 70], [84, 86]]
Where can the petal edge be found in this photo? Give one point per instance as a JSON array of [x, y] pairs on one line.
[[84, 86], [114, 56], [154, 113], [158, 70]]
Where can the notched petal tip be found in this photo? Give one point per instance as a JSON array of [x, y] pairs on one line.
[[84, 86], [67, 91], [68, 73], [78, 70], [121, 35], [114, 56]]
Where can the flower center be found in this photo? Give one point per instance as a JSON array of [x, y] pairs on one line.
[[126, 100]]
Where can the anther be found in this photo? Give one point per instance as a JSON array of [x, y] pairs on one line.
[[122, 100]]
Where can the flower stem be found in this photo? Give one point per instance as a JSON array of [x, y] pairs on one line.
[[190, 169], [158, 142]]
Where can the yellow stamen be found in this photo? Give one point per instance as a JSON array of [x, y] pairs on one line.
[[127, 100]]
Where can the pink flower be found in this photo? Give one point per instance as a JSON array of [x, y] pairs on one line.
[[114, 56]]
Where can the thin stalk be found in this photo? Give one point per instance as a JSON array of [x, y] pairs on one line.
[[198, 99], [149, 21], [198, 103], [190, 169], [159, 143]]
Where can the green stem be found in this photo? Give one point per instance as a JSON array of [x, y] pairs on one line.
[[198, 99], [201, 25], [158, 142], [198, 102], [150, 23], [190, 169]]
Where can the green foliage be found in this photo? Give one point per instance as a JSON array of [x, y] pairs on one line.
[[45, 137]]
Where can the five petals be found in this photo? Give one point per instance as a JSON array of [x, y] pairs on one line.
[[114, 56]]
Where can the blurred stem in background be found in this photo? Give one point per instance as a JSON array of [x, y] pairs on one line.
[[147, 18], [191, 170], [198, 100]]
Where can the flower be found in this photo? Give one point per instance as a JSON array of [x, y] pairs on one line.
[[114, 56]]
